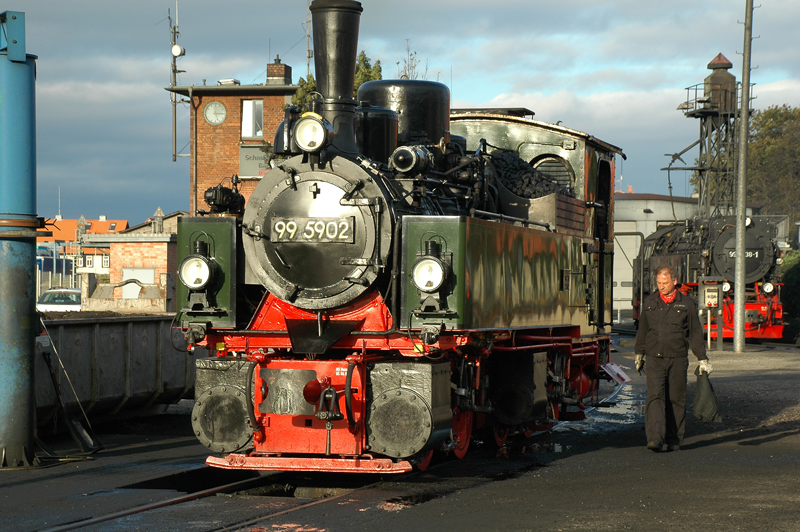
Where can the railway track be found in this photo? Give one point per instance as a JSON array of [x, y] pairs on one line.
[[280, 494], [233, 486], [284, 485]]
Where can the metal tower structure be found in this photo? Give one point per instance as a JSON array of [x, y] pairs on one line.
[[715, 102]]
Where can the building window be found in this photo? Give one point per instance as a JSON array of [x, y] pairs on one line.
[[89, 261], [106, 261], [113, 226], [80, 261], [252, 119]]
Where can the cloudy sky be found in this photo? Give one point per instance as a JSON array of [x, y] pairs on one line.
[[616, 69]]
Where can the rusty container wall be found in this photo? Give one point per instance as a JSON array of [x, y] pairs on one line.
[[114, 364]]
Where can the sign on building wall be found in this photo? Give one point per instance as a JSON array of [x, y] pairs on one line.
[[253, 161]]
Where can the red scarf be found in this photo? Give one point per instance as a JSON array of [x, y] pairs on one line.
[[670, 298]]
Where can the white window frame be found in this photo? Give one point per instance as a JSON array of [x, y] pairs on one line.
[[253, 119], [89, 261], [106, 261]]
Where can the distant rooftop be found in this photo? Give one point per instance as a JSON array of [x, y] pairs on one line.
[[67, 230]]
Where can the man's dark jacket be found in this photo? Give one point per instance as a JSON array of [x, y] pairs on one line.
[[669, 329]]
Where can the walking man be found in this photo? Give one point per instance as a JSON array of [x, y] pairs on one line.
[[668, 326]]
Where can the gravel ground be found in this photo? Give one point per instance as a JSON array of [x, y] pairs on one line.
[[756, 390]]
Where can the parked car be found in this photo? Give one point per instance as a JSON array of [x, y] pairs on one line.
[[59, 300]]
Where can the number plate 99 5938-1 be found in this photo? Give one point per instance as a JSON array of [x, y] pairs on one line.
[[299, 229]]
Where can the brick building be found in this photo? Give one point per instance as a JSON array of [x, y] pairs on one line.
[[141, 277], [62, 255], [232, 127]]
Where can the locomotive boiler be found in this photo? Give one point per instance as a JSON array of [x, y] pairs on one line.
[[703, 253], [383, 294]]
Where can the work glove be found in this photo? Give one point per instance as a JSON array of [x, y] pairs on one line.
[[639, 363], [705, 367]]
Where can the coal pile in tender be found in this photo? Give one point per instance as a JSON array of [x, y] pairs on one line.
[[522, 179]]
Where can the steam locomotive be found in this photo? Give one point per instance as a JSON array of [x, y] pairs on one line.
[[703, 253], [383, 294]]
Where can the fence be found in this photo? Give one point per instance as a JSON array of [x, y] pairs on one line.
[[47, 280]]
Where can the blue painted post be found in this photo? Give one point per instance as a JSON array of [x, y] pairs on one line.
[[18, 223]]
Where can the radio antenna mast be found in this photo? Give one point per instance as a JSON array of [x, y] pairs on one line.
[[177, 51], [309, 52]]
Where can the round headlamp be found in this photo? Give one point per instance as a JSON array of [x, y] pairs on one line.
[[748, 221], [195, 271], [768, 288], [428, 274], [312, 133], [726, 286]]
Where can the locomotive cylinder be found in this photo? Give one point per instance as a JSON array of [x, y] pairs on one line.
[[376, 132]]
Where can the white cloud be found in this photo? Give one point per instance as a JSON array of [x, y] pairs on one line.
[[616, 69]]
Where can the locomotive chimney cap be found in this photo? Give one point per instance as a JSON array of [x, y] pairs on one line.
[[346, 5], [720, 62]]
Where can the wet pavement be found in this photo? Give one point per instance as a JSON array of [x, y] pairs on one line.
[[740, 474]]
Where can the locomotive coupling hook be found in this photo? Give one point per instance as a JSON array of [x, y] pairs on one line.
[[329, 405]]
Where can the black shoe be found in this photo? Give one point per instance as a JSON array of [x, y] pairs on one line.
[[654, 446], [673, 447]]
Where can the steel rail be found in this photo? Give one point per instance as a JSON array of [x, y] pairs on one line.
[[250, 522], [153, 506]]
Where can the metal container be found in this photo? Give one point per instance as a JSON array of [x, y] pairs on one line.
[[114, 365]]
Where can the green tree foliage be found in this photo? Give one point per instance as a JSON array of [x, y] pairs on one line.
[[773, 180], [365, 71], [304, 88], [790, 292], [773, 161]]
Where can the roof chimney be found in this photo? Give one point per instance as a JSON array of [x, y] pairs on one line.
[[279, 73], [158, 221]]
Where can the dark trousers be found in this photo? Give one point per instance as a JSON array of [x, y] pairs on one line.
[[665, 410]]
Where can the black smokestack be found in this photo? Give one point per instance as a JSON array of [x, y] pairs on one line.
[[335, 46], [335, 51]]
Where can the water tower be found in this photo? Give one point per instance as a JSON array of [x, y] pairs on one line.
[[715, 102]]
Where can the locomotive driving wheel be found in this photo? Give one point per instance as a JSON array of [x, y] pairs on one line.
[[529, 429], [424, 460], [552, 414], [462, 431], [500, 433]]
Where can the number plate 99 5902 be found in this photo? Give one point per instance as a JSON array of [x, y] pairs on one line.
[[299, 229]]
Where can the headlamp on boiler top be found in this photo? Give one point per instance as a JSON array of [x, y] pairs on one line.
[[312, 133]]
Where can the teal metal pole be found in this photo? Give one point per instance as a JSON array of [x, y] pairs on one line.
[[18, 224]]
